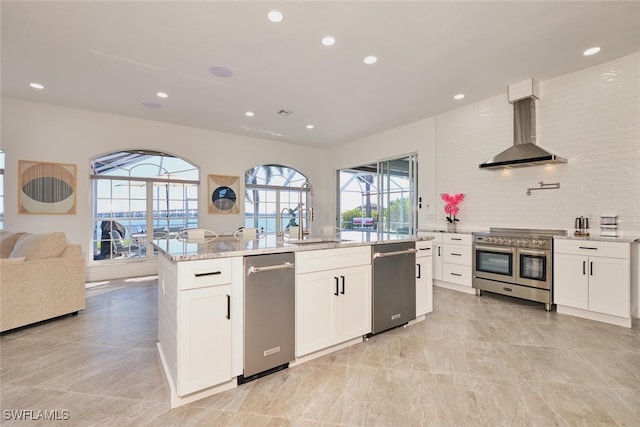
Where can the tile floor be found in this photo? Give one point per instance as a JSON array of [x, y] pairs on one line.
[[474, 361]]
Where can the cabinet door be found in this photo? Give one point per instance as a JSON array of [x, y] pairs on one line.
[[571, 281], [609, 291], [204, 331], [437, 261], [316, 311], [424, 286], [355, 303]]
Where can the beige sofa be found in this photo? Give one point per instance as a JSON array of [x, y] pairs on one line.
[[42, 276]]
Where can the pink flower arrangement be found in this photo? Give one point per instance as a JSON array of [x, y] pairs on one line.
[[451, 206]]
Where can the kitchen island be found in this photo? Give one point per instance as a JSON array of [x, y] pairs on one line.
[[201, 299]]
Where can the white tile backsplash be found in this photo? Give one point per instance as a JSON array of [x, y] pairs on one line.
[[591, 117]]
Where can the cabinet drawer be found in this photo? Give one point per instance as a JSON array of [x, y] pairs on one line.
[[592, 248], [459, 274], [456, 254], [424, 249], [436, 235], [457, 239], [201, 273], [328, 259]]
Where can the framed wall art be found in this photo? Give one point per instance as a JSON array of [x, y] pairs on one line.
[[46, 188], [223, 194]]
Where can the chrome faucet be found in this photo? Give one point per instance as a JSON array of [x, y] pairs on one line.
[[309, 210]]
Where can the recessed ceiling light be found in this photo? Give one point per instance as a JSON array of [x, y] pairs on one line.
[[370, 60], [309, 126], [591, 51], [162, 95], [275, 16], [36, 86], [249, 114], [328, 41], [459, 96]]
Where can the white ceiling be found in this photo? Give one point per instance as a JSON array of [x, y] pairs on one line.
[[113, 56]]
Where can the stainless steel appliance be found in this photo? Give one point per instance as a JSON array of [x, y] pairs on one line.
[[394, 285], [516, 262], [269, 314]]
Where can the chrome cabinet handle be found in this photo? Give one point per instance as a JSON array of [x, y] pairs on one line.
[[386, 254], [284, 266]]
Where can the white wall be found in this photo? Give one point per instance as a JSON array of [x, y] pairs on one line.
[[417, 137], [42, 132], [584, 117], [591, 117]]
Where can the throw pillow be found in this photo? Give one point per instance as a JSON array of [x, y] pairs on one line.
[[40, 246], [8, 240]]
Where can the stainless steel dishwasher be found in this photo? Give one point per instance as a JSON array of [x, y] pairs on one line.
[[394, 285], [269, 314]]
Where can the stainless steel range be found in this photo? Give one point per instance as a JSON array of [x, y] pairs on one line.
[[515, 261]]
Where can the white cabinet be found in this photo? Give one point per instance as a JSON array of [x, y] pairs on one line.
[[451, 260], [205, 338], [199, 322], [333, 299], [424, 281], [592, 279]]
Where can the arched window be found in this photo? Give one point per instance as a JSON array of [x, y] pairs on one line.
[[272, 194], [139, 195]]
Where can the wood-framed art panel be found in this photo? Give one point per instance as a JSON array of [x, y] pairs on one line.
[[223, 194], [46, 188]]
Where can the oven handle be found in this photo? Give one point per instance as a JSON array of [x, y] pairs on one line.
[[542, 252], [506, 250]]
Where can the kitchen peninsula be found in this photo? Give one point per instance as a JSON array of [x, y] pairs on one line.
[[202, 297]]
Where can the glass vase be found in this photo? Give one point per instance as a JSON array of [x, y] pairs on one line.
[[452, 227]]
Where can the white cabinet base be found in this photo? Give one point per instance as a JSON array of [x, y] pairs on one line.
[[325, 351], [175, 400], [592, 315], [454, 287]]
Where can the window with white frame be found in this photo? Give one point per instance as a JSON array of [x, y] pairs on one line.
[[139, 195], [272, 196]]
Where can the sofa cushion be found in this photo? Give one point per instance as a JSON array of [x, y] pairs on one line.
[[8, 240], [40, 246]]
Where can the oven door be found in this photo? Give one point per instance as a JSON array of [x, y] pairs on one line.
[[494, 263], [534, 268]]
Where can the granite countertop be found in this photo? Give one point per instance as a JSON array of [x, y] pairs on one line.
[[595, 237], [444, 230], [229, 246]]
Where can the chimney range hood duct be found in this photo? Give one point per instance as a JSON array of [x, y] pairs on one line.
[[524, 151]]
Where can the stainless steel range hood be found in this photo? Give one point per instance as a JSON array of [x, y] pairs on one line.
[[524, 151]]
